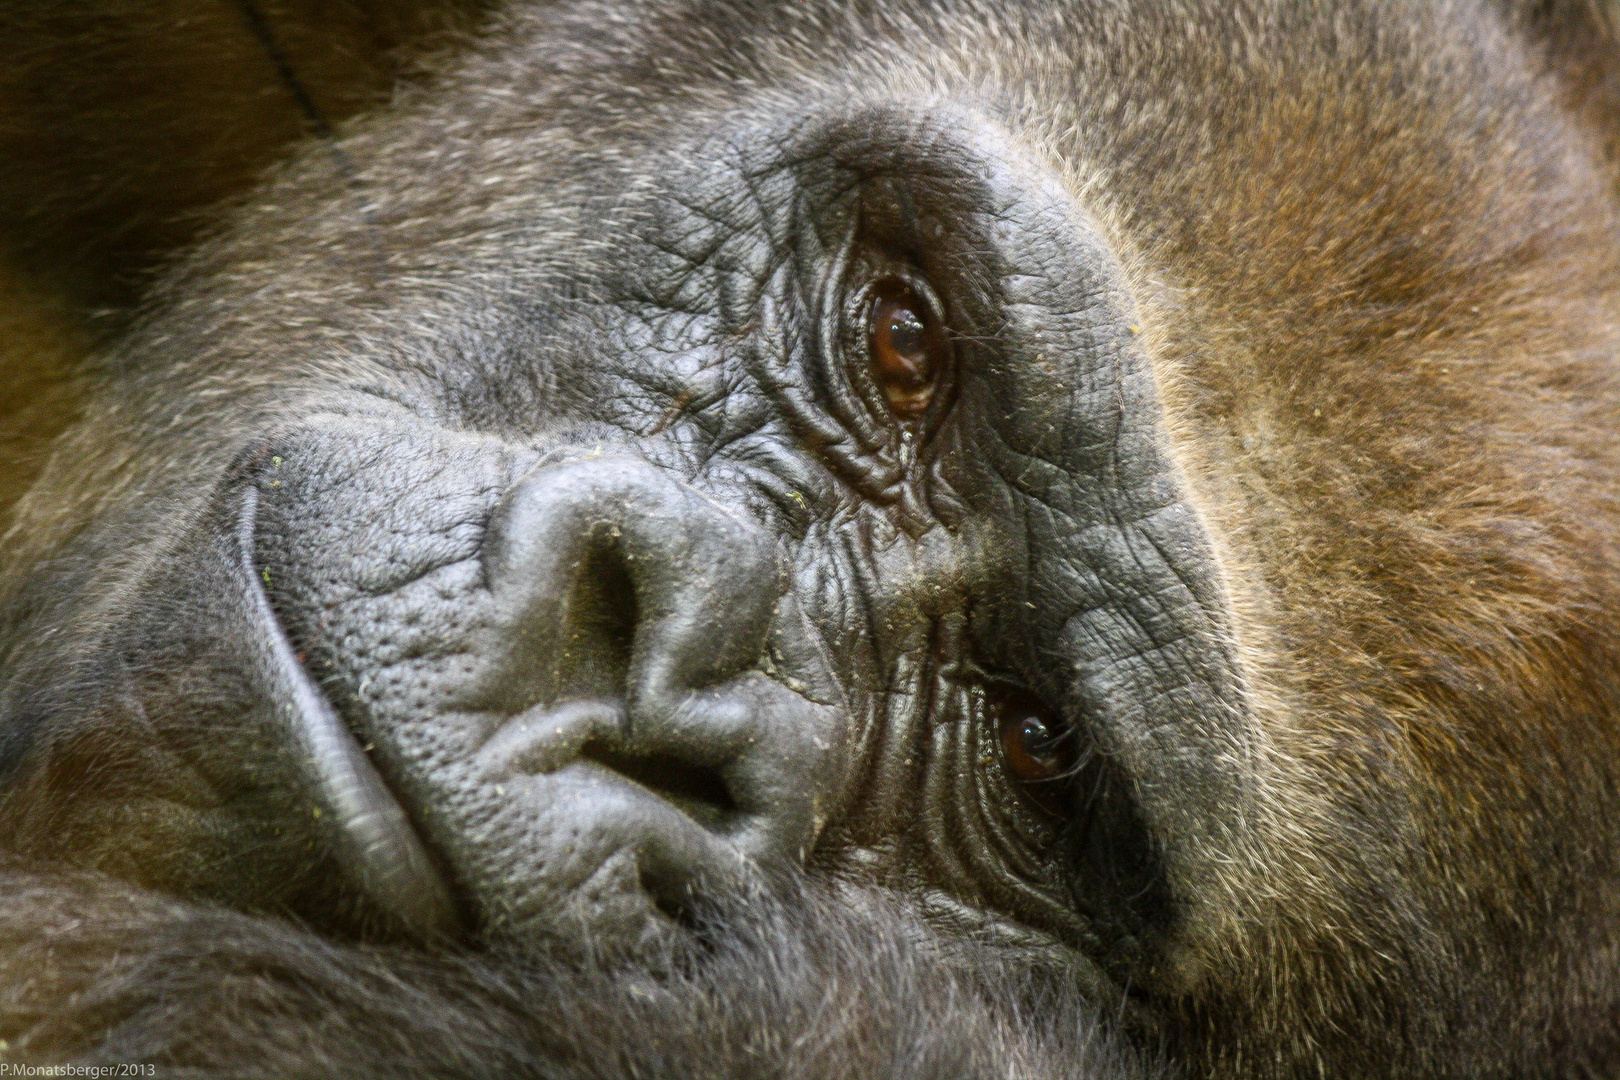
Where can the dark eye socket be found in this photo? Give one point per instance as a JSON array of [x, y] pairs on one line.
[[1038, 748], [906, 346]]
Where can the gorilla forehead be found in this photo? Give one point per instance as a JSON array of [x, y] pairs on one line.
[[459, 229]]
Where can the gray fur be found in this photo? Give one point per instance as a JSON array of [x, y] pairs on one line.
[[519, 430]]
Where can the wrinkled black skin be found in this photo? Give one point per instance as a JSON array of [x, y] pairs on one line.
[[523, 439]]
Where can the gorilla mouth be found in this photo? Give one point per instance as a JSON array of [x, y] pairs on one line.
[[583, 777], [698, 792]]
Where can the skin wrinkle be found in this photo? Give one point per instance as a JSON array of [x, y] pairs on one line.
[[1141, 569], [1290, 508]]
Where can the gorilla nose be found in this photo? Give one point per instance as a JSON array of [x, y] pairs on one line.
[[664, 734]]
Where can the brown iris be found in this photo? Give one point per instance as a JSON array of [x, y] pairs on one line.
[[1035, 744], [907, 348]]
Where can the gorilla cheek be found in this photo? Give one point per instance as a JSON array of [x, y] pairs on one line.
[[234, 749], [562, 670], [1106, 562]]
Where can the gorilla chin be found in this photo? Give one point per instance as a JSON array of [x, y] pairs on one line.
[[739, 539]]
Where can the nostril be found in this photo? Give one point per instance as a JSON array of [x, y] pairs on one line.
[[654, 757], [599, 628], [697, 790], [605, 599]]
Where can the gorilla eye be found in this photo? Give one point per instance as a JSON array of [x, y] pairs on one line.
[[1035, 744], [907, 347]]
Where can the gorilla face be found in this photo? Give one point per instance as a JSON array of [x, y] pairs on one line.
[[830, 494], [1137, 500], [841, 503]]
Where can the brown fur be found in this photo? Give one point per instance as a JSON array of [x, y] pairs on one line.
[[1385, 328], [1400, 408]]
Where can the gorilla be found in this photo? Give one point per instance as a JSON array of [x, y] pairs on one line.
[[736, 538]]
